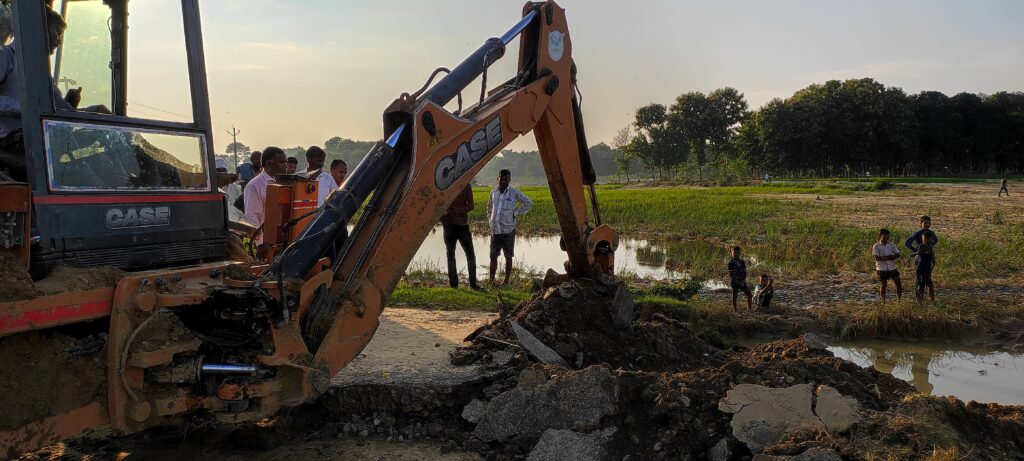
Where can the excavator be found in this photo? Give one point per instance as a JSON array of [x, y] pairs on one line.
[[185, 330]]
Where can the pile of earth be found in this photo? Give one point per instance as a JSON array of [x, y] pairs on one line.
[[589, 321], [583, 382]]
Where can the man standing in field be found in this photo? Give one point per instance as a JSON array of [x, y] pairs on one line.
[[455, 222], [505, 204], [886, 253], [738, 278], [1003, 187]]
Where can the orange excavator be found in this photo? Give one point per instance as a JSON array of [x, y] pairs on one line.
[[180, 333]]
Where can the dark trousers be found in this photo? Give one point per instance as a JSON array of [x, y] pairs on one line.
[[461, 234]]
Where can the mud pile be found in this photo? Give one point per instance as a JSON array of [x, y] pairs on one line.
[[582, 322], [15, 283], [584, 381]]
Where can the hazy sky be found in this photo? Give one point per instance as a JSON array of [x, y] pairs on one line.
[[298, 72]]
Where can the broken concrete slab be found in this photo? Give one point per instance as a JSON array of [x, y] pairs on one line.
[[576, 400], [566, 445], [812, 454], [836, 410], [536, 348], [763, 415], [623, 309], [474, 410]]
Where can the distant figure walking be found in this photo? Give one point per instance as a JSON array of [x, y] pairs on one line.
[[455, 222], [738, 279], [886, 253], [1003, 187], [505, 204]]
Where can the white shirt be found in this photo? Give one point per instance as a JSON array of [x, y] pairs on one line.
[[325, 185], [255, 196], [888, 249], [502, 209]]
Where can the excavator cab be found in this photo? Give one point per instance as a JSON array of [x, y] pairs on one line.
[[128, 178]]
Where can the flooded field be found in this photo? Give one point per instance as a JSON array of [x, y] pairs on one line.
[[943, 369], [645, 258]]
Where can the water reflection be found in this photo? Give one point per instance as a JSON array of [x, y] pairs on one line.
[[943, 369], [661, 260]]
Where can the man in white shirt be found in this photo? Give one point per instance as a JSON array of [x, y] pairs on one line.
[[315, 158], [274, 162], [503, 207], [886, 253]]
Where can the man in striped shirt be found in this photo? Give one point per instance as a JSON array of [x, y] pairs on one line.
[[505, 204]]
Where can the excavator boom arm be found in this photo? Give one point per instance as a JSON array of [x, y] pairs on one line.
[[431, 155]]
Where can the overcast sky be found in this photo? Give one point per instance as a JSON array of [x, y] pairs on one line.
[[297, 72]]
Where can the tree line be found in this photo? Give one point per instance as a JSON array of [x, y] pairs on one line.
[[855, 127], [836, 129]]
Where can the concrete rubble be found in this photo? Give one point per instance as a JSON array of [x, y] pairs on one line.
[[574, 401], [764, 415], [566, 445]]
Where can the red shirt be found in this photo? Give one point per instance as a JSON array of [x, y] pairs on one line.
[[458, 212]]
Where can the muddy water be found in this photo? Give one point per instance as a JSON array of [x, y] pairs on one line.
[[537, 254], [944, 369]]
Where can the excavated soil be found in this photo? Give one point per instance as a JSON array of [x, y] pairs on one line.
[[42, 375], [576, 320], [652, 389], [15, 283], [63, 279]]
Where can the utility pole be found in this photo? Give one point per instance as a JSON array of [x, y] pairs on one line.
[[234, 144]]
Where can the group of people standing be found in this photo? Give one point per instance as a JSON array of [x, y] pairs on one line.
[[505, 205], [249, 193], [922, 247]]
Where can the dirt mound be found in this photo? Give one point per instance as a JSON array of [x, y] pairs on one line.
[[15, 282], [585, 322], [63, 279], [48, 373]]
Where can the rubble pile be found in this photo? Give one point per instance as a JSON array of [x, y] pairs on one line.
[[582, 322], [585, 379]]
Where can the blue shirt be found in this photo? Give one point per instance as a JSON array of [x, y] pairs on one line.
[[246, 172], [10, 105], [916, 238]]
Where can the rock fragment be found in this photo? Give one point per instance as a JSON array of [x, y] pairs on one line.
[[576, 400], [566, 445], [763, 415], [837, 411], [536, 348]]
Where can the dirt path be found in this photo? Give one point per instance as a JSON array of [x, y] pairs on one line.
[[412, 345]]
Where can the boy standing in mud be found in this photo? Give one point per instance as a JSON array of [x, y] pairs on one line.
[[886, 253], [738, 278], [924, 258]]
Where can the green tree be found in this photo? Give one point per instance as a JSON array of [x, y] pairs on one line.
[[707, 122], [656, 144], [623, 159], [238, 152]]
